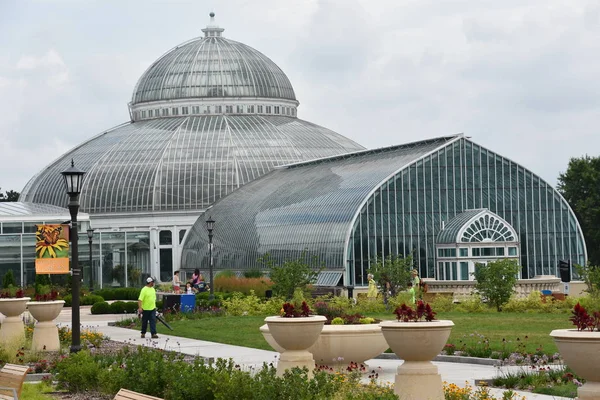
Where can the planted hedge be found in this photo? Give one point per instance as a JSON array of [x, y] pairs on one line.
[[169, 376], [119, 293]]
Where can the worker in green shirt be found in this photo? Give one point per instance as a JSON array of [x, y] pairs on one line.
[[147, 307]]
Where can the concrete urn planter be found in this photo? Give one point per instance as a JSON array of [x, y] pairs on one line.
[[581, 351], [294, 336], [417, 343], [342, 344], [45, 332], [12, 327]]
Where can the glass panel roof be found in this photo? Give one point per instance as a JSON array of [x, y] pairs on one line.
[[452, 227], [303, 206], [212, 67], [182, 163]]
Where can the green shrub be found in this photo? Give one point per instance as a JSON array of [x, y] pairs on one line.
[[120, 307], [337, 321], [77, 373], [367, 306], [101, 307], [225, 274], [9, 279], [253, 273], [472, 304], [441, 303], [167, 375], [534, 303], [244, 305], [88, 300], [119, 293]]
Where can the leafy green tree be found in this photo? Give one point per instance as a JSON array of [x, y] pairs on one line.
[[591, 276], [292, 274], [8, 280], [392, 274], [9, 195], [580, 185], [496, 281]]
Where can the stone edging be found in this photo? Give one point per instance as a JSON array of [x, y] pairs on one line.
[[445, 358]]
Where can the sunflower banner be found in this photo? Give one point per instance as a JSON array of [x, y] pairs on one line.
[[52, 249]]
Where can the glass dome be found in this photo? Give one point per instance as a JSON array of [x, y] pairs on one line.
[[184, 163], [207, 117], [208, 68]]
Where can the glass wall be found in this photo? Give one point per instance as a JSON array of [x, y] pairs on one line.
[[406, 213], [118, 258]]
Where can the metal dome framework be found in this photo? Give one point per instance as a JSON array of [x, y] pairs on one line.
[[352, 209], [176, 164], [212, 75]]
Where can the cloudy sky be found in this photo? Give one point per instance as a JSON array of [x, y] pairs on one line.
[[522, 80]]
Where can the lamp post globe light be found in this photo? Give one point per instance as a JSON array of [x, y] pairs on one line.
[[210, 225], [73, 181], [90, 235]]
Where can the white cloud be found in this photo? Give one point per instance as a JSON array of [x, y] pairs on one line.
[[519, 77], [50, 59]]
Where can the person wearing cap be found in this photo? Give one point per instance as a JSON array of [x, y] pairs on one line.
[[147, 307]]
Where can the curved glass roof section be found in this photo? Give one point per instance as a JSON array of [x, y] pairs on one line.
[[20, 209], [212, 67], [479, 225], [303, 206], [183, 163]]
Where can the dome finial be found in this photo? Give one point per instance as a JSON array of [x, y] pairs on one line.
[[212, 29]]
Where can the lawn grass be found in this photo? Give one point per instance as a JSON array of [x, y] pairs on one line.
[[243, 331]]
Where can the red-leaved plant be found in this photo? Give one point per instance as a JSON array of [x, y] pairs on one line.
[[14, 294], [583, 321], [289, 311], [405, 313], [53, 295]]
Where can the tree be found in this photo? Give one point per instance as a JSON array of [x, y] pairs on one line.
[[496, 281], [292, 274], [392, 274], [590, 274], [579, 185], [10, 195]]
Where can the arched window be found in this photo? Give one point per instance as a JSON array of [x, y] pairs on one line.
[[487, 228]]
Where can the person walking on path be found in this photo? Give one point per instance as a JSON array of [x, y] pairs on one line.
[[416, 281], [147, 307], [372, 293]]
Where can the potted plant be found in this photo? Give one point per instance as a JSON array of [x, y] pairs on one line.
[[417, 337], [295, 330], [45, 309], [580, 349], [345, 338], [12, 305]]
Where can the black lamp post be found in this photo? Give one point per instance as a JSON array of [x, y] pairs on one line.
[[90, 233], [73, 180], [210, 225]]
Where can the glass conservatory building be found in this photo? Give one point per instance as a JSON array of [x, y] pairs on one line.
[[207, 117], [448, 201]]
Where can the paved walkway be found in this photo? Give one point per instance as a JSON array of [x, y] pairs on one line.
[[457, 373]]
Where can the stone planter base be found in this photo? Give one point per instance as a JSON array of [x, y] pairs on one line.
[[295, 336], [417, 343], [45, 332], [581, 352], [417, 380], [12, 328]]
